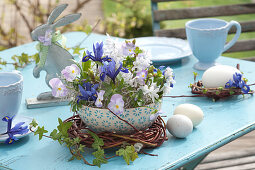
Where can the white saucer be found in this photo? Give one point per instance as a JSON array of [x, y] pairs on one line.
[[165, 50], [17, 119]]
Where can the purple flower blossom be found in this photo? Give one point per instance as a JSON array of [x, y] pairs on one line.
[[17, 129], [98, 52], [108, 69], [46, 39], [88, 92], [142, 75], [116, 104], [100, 98], [71, 72], [128, 48], [58, 88], [153, 117]]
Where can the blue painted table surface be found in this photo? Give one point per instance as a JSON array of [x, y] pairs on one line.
[[224, 121]]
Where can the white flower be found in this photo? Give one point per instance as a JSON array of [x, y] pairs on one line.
[[142, 62], [166, 88], [152, 91], [100, 98], [113, 48], [128, 78]]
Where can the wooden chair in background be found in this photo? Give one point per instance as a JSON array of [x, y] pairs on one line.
[[203, 12]]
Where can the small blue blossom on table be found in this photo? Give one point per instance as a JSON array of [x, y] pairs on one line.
[[17, 129], [238, 82]]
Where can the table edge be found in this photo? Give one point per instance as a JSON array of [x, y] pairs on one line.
[[179, 163]]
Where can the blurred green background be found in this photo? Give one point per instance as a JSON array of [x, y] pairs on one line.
[[141, 12]]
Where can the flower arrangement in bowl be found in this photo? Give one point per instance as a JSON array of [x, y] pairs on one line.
[[115, 88]]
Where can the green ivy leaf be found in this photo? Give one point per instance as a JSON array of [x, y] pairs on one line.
[[77, 140], [231, 92], [88, 29], [55, 135], [36, 58], [33, 123], [81, 148], [205, 91], [129, 153], [220, 88], [99, 158], [77, 50], [98, 142], [63, 127], [40, 131]]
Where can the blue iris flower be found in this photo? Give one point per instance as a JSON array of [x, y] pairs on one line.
[[98, 52], [17, 129], [108, 69], [161, 68], [88, 92], [229, 84], [238, 83]]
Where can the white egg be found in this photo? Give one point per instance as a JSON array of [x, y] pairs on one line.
[[179, 126], [218, 76], [192, 111]]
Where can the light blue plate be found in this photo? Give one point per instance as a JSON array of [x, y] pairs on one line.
[[165, 50], [17, 119]]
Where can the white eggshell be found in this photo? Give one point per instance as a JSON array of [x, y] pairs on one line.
[[192, 111], [179, 126], [218, 76]]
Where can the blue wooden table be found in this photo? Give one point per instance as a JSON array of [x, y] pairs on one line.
[[224, 121]]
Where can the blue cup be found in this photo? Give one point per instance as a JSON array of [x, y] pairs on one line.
[[11, 87], [207, 38]]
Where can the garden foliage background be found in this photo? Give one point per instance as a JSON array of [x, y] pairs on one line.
[[122, 18]]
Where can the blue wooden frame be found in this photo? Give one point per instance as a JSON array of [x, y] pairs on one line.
[[155, 24]]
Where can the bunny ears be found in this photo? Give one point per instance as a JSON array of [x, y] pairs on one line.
[[63, 21]]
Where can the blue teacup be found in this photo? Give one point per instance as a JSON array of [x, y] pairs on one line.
[[207, 38], [11, 87]]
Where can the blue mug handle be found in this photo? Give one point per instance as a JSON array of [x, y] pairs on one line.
[[238, 32]]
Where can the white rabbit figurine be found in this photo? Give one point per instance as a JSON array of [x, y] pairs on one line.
[[56, 58]]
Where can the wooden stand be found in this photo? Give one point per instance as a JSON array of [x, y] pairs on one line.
[[32, 103]]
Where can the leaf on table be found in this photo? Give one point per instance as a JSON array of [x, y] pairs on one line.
[[63, 127], [99, 158], [40, 131], [55, 135], [129, 153], [33, 123]]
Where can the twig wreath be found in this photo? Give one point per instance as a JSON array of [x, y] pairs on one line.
[[237, 86]]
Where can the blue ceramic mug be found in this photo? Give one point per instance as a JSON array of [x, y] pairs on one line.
[[207, 38], [11, 87]]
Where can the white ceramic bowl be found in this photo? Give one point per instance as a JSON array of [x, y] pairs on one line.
[[100, 120]]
